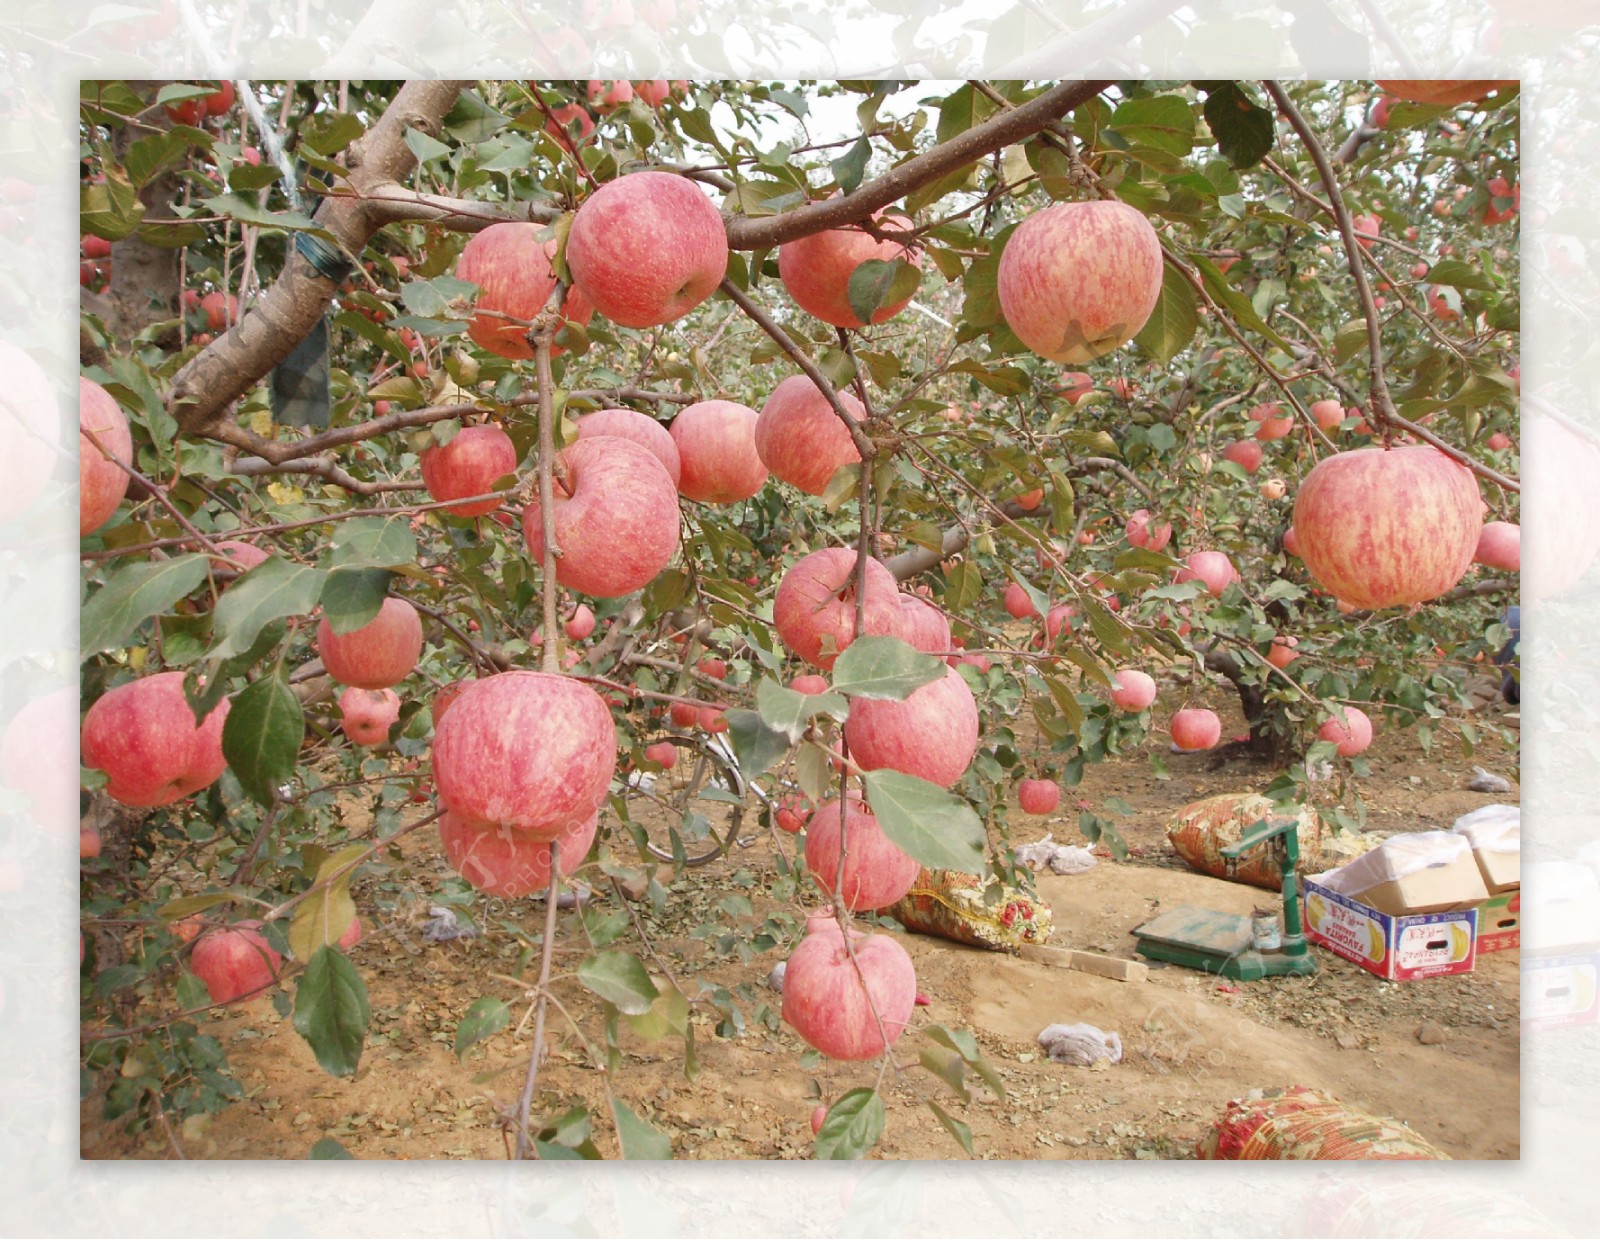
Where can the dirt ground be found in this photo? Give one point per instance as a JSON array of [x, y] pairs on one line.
[[1190, 1042]]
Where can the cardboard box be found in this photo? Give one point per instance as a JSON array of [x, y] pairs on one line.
[[1417, 872], [1558, 991], [1396, 948], [1495, 833], [1500, 923]]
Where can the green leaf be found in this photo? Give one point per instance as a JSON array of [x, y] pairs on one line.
[[755, 745], [960, 110], [352, 597], [1172, 324], [963, 584], [639, 1141], [1232, 300], [949, 1068], [667, 1015], [1350, 339], [261, 738], [329, 1148], [328, 133], [965, 1045], [246, 212], [271, 590], [152, 154], [331, 1011], [786, 711], [937, 829], [322, 917], [1243, 128], [953, 1126], [1163, 121], [876, 284], [425, 147], [885, 669], [1459, 274], [851, 167], [131, 595], [853, 1126], [485, 1018], [620, 979], [373, 542]]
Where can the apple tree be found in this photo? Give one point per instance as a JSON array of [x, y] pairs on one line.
[[580, 473]]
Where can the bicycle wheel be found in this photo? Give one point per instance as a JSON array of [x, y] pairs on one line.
[[702, 808]]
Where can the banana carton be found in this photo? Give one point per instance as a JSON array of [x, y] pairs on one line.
[[1500, 923], [1396, 948]]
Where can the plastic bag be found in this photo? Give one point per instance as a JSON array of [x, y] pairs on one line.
[[1058, 858], [1301, 1123], [1394, 859], [1493, 828], [1080, 1044], [953, 906]]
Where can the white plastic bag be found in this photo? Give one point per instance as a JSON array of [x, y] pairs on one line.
[[1080, 1044]]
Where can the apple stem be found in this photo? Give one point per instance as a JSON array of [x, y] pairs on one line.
[[547, 954]]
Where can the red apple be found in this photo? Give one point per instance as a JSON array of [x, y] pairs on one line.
[[1498, 442], [1441, 91], [1500, 546], [511, 265], [444, 696], [470, 464], [816, 599], [876, 871], [923, 625], [570, 125], [1245, 453], [1030, 500], [1018, 605], [684, 714], [368, 714], [1282, 652], [654, 92], [932, 734], [142, 734], [1291, 541], [102, 428], [1501, 191], [1079, 279], [503, 862], [1058, 620], [1075, 385], [1196, 729], [1274, 423], [647, 248], [531, 751], [826, 993], [663, 753], [380, 653], [1385, 528], [220, 310], [91, 246], [616, 517], [244, 554], [1038, 796], [609, 95], [639, 427], [710, 719], [1367, 229], [1380, 112], [716, 441], [1132, 690], [801, 439], [235, 962], [791, 813], [818, 1116], [1352, 736], [1213, 568], [809, 683], [1140, 531], [817, 269], [581, 623], [1273, 489], [88, 842], [1328, 413], [717, 669]]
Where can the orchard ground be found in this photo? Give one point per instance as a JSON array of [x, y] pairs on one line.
[[1190, 1042]]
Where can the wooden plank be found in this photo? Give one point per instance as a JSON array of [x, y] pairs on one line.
[[1113, 967]]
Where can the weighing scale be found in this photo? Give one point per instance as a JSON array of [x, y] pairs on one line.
[[1223, 943]]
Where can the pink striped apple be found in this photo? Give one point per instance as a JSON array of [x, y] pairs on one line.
[[800, 437], [716, 442]]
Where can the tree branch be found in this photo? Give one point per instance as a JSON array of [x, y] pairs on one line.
[[1003, 129], [230, 365]]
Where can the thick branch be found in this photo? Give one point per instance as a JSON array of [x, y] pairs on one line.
[[999, 131], [230, 365], [283, 453], [391, 203]]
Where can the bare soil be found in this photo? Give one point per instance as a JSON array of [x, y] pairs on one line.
[[1191, 1042]]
